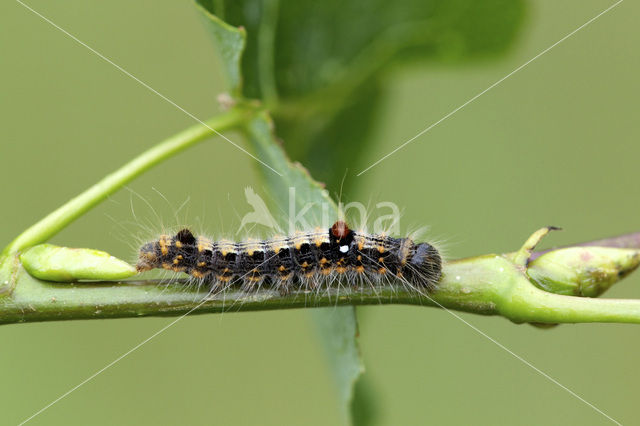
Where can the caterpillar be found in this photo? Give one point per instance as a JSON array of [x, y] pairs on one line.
[[305, 260]]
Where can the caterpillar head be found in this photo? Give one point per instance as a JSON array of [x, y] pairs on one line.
[[425, 264], [150, 255], [162, 252]]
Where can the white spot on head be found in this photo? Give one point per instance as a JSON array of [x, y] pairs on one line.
[[457, 277], [344, 249], [501, 269]]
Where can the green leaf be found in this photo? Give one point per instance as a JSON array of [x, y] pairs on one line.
[[338, 329], [364, 407], [320, 66], [230, 42], [308, 192], [259, 18]]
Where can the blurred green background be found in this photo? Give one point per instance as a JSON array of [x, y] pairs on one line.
[[554, 144]]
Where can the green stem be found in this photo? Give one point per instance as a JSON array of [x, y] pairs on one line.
[[488, 285], [494, 285], [531, 304], [71, 210]]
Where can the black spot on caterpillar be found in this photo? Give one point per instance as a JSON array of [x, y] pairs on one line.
[[304, 260]]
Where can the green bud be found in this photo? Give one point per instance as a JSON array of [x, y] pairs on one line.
[[582, 271], [54, 263]]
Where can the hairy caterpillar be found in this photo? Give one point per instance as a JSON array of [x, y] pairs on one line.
[[305, 260]]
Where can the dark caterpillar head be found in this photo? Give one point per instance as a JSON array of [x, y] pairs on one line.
[[162, 252], [149, 256], [425, 266]]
